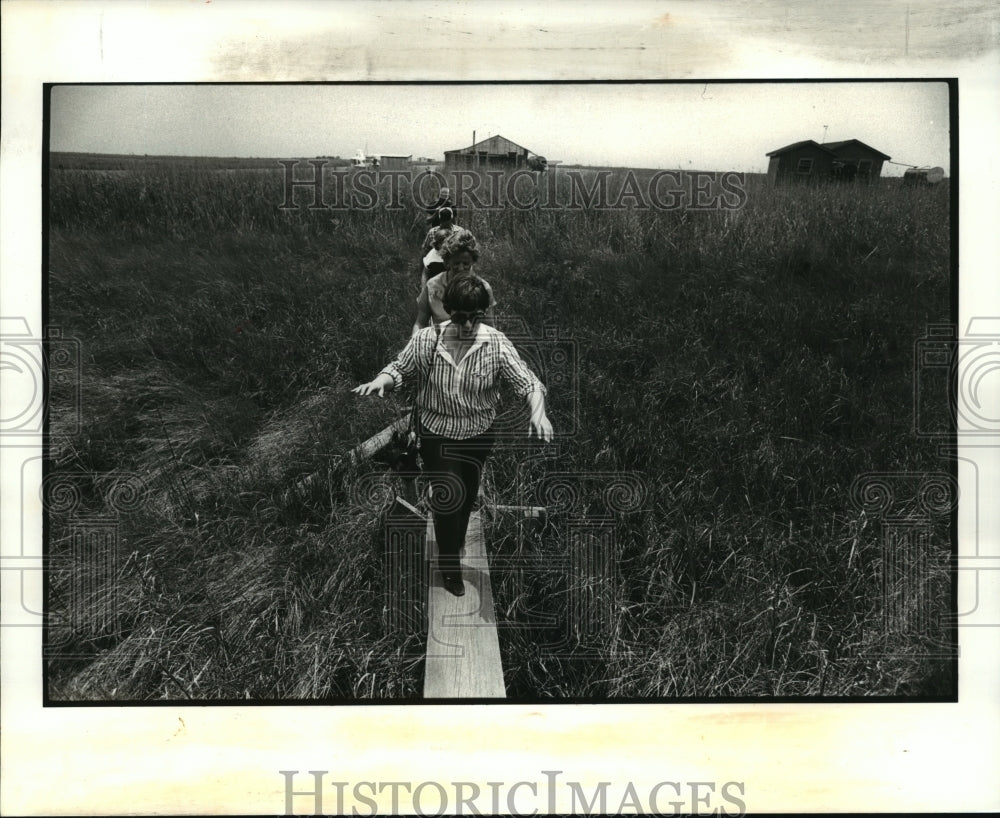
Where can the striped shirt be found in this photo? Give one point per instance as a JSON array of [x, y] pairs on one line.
[[459, 401]]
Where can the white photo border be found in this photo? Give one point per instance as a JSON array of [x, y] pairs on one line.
[[227, 760]]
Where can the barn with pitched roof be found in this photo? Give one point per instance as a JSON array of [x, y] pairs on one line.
[[495, 153], [856, 161], [808, 161]]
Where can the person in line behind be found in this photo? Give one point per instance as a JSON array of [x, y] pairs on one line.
[[432, 264], [443, 201], [459, 368], [459, 252], [440, 214]]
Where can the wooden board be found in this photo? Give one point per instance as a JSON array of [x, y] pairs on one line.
[[463, 650], [535, 512], [362, 451], [377, 442]]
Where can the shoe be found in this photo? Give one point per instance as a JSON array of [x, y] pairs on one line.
[[454, 584]]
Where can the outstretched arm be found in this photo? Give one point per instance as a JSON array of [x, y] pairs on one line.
[[392, 376], [380, 383], [524, 382], [538, 424]]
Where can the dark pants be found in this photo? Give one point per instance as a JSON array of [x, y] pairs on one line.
[[454, 468]]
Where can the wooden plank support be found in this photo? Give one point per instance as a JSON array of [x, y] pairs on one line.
[[463, 649], [362, 451], [537, 512], [376, 443]]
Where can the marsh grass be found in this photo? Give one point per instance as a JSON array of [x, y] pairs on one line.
[[748, 366]]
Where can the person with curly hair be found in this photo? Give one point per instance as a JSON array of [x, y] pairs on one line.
[[432, 263], [459, 368], [459, 252]]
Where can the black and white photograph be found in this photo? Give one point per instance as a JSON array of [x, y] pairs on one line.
[[466, 391], [416, 398]]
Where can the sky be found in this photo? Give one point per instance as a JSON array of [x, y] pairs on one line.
[[704, 126]]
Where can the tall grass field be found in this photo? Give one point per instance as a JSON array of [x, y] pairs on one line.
[[738, 443]]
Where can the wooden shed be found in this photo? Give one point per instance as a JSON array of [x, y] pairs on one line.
[[806, 161], [856, 161], [394, 162], [495, 153], [809, 161]]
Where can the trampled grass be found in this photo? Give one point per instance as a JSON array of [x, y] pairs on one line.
[[744, 368]]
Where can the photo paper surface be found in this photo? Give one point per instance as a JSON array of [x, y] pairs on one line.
[[738, 284]]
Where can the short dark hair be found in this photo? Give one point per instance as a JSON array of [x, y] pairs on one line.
[[459, 241], [466, 293]]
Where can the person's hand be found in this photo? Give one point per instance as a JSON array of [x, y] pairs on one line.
[[378, 384], [540, 427]]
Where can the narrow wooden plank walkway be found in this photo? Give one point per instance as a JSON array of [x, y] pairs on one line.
[[463, 649]]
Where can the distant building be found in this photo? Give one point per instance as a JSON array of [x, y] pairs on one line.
[[856, 161], [809, 161], [391, 162], [495, 153], [805, 161]]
